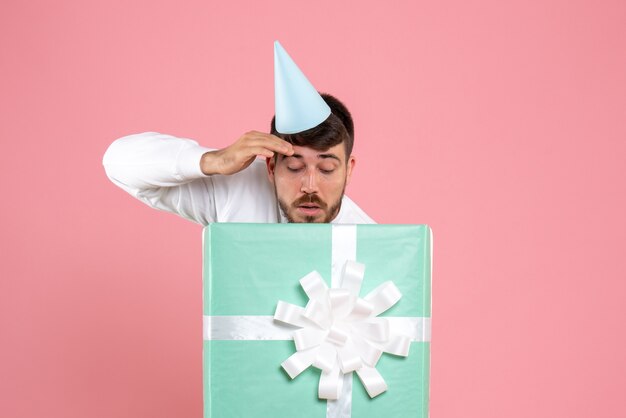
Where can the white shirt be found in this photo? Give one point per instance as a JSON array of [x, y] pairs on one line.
[[164, 172]]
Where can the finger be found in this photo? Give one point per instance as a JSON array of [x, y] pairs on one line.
[[271, 142], [262, 151], [288, 145], [280, 148]]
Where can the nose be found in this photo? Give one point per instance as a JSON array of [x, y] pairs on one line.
[[309, 182]]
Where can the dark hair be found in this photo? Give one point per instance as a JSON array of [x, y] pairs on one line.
[[337, 128]]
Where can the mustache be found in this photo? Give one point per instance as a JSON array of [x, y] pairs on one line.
[[311, 198]]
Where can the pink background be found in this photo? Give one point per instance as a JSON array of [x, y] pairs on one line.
[[501, 126]]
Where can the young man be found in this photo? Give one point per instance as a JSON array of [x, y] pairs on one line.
[[303, 178], [308, 164]]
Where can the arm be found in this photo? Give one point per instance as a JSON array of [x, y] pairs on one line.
[[178, 175]]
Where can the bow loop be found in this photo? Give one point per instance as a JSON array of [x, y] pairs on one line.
[[352, 277], [314, 286], [372, 380], [290, 314], [308, 337], [383, 297], [340, 302]]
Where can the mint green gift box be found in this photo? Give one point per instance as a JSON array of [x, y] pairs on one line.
[[248, 268]]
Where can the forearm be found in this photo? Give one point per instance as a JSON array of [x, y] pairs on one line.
[[163, 172], [151, 160]]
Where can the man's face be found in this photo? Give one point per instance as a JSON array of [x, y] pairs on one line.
[[310, 184]]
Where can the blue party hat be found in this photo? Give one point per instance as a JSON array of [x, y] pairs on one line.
[[298, 105]]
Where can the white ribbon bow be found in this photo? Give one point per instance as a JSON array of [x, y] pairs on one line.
[[340, 333]]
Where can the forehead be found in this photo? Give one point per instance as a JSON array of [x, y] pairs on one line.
[[336, 152]]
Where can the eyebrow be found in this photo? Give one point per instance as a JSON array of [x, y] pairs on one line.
[[329, 156], [322, 156]]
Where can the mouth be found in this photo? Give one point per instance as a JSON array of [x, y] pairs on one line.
[[309, 206], [309, 209]]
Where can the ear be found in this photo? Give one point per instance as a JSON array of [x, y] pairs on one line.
[[271, 165], [349, 168]]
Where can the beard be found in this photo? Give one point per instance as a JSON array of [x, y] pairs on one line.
[[329, 211]]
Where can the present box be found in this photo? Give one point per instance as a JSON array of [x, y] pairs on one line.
[[248, 268]]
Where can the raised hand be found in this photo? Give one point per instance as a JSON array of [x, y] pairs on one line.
[[241, 153]]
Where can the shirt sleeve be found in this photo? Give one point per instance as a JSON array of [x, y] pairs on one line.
[[163, 172]]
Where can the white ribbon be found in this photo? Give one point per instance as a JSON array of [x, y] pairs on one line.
[[339, 333], [264, 327], [336, 332]]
